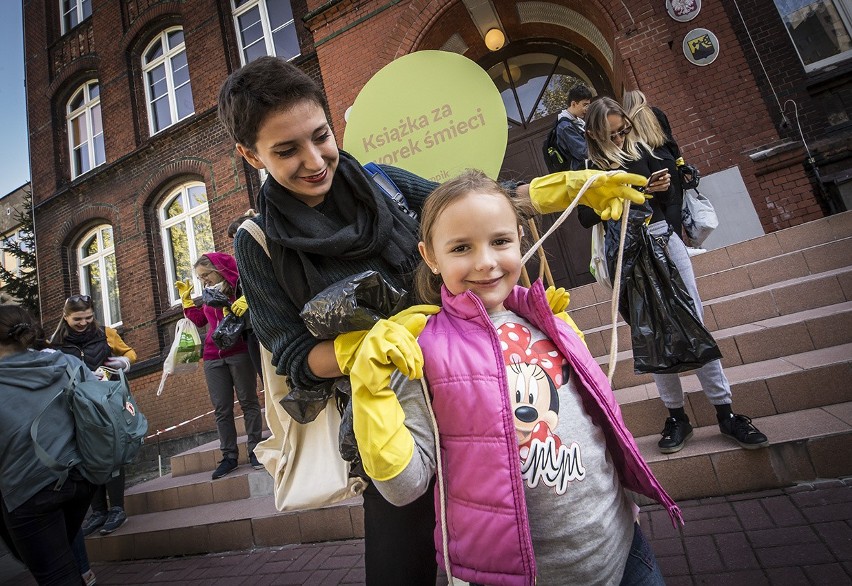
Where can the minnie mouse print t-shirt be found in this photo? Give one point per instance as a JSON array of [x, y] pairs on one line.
[[580, 519]]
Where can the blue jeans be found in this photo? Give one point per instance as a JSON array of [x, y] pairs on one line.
[[641, 568], [44, 527]]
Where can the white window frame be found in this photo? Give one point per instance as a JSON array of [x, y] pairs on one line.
[[11, 236], [81, 8], [85, 111], [267, 28], [169, 53], [845, 13], [181, 191], [99, 258]]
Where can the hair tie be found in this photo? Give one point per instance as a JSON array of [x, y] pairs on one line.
[[18, 329]]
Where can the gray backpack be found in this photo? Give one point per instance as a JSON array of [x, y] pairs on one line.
[[109, 427]]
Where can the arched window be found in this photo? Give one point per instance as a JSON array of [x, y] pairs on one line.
[[168, 91], [98, 278], [534, 85], [265, 27], [74, 12], [85, 129], [185, 226]]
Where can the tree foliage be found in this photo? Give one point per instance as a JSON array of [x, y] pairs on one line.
[[22, 284], [555, 97]]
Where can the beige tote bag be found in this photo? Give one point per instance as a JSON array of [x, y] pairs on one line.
[[303, 459]]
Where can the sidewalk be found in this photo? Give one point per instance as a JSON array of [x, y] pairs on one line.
[[798, 535]]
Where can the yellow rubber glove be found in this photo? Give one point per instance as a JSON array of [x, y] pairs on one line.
[[555, 192], [346, 345], [385, 444], [185, 291], [558, 300], [240, 306]]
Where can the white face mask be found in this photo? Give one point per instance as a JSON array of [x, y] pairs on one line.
[[218, 286]]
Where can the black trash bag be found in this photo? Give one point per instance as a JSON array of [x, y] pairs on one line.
[[213, 297], [352, 304], [665, 332], [304, 405], [229, 331]]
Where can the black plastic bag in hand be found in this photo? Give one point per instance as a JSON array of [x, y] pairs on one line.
[[229, 331], [665, 331], [212, 297], [352, 304]]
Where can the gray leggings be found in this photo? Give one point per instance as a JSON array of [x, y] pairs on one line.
[[712, 377]]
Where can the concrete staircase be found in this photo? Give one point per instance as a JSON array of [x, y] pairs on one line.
[[780, 307]]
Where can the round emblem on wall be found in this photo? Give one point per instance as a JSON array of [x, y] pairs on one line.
[[700, 46], [683, 10]]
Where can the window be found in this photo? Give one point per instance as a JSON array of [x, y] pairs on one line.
[[11, 262], [85, 129], [534, 85], [74, 12], [820, 30], [265, 27], [98, 276], [185, 226], [167, 88]]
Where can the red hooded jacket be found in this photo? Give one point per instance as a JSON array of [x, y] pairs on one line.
[[205, 315]]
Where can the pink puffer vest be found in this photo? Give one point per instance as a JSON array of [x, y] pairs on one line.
[[489, 538]]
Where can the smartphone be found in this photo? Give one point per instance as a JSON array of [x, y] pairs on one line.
[[656, 176]]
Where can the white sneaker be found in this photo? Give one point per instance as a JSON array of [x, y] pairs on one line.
[[695, 251]]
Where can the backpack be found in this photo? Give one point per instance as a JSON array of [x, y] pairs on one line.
[[554, 159], [109, 428]]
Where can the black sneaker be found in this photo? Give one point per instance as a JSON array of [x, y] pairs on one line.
[[255, 463], [740, 428], [115, 519], [226, 466], [94, 522], [675, 433]]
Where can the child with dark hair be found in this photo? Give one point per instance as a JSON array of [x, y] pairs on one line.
[[42, 511]]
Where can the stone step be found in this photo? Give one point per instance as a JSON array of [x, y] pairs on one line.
[[782, 385], [205, 458], [227, 526], [805, 446], [792, 333], [730, 309], [169, 492]]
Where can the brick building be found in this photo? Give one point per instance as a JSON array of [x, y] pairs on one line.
[[133, 177]]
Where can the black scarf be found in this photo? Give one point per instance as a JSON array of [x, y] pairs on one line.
[[90, 346], [300, 237]]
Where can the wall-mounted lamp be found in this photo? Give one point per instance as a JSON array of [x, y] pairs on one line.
[[495, 39]]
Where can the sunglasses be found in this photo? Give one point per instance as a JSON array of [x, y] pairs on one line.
[[80, 299], [623, 132]]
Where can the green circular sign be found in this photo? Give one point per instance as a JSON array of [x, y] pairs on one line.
[[433, 113]]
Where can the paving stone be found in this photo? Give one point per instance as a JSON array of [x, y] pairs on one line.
[[752, 515], [750, 577], [702, 555], [795, 555], [675, 565], [837, 536], [736, 551], [827, 574], [781, 536], [782, 511]]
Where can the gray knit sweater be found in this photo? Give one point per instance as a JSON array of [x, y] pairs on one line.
[[275, 317]]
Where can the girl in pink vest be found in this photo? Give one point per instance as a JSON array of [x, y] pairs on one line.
[[535, 458]]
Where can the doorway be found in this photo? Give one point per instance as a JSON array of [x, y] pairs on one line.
[[534, 81]]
